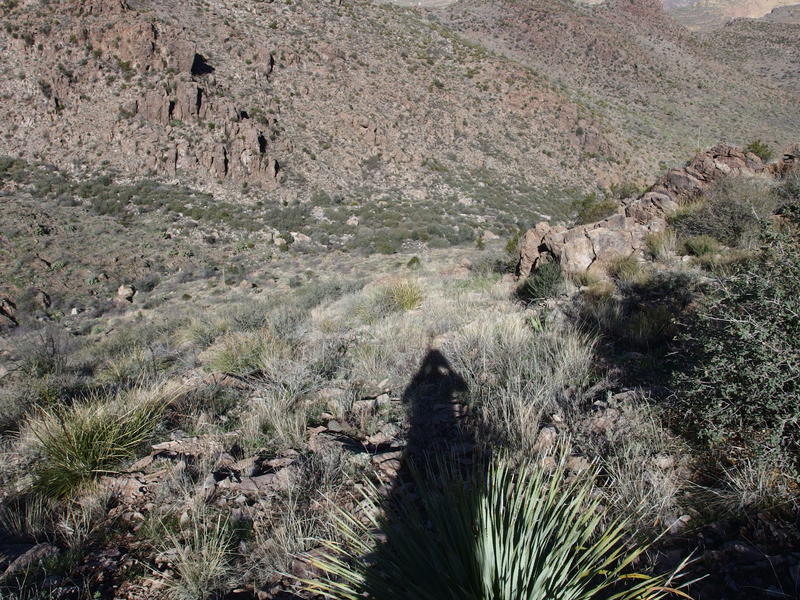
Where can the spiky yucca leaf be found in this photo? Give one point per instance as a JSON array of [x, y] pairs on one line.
[[513, 533]]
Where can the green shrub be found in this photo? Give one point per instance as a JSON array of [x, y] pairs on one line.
[[91, 437], [45, 352], [543, 283], [701, 245], [593, 207], [732, 212], [736, 383], [760, 149], [516, 532]]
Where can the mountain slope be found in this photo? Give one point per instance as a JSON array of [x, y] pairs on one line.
[[711, 14], [373, 103], [630, 63]]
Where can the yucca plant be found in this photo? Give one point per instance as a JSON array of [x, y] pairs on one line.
[[516, 532], [405, 295]]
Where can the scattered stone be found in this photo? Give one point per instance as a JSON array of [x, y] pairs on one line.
[[36, 554], [546, 439], [126, 293]]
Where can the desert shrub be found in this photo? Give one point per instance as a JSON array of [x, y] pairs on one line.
[[789, 193], [594, 207], [545, 282], [247, 316], [626, 189], [736, 384], [761, 150], [517, 531], [92, 437], [732, 212], [701, 245], [45, 352], [639, 315]]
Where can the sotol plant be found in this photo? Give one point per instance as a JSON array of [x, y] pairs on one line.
[[517, 532], [91, 437]]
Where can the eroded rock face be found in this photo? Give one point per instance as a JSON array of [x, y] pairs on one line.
[[592, 247]]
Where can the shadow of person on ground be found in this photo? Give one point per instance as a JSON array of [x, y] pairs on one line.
[[431, 505]]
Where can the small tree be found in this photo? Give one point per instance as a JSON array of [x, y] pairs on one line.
[[760, 149]]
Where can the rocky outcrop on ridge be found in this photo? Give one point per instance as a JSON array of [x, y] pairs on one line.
[[593, 246]]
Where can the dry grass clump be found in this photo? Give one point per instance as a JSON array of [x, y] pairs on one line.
[[765, 484], [202, 332], [625, 269], [516, 374], [701, 245], [245, 353], [201, 557], [401, 296], [662, 245], [645, 475]]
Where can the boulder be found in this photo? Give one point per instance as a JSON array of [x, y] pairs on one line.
[[126, 292], [36, 554]]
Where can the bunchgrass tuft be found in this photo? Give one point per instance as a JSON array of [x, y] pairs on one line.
[[405, 295], [625, 269], [701, 245], [202, 557], [93, 436]]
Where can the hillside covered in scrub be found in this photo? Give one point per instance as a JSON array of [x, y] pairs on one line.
[[473, 300], [199, 435]]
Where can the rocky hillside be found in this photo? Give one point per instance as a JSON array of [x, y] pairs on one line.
[[710, 14], [628, 61], [381, 103], [766, 47]]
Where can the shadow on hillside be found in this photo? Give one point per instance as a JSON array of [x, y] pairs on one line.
[[440, 463]]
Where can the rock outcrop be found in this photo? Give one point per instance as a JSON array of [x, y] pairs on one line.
[[592, 247]]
